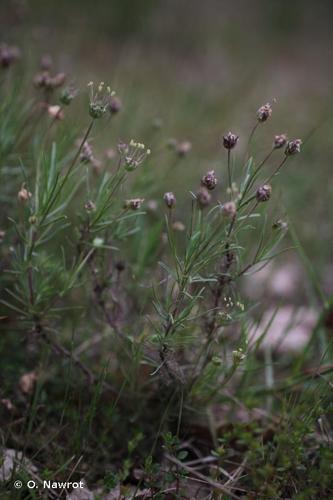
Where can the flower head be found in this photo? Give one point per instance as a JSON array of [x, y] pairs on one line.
[[23, 194], [209, 180], [264, 193], [203, 197], [183, 148], [264, 112], [133, 154], [170, 200], [230, 140], [99, 100], [293, 147], [8, 55], [115, 105], [229, 209], [280, 141], [134, 203]]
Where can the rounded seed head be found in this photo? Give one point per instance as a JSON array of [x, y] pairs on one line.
[[230, 140], [203, 197], [293, 147], [280, 141], [170, 199], [209, 180], [264, 193], [264, 112], [229, 209]]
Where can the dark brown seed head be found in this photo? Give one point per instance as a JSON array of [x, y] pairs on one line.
[[264, 193], [209, 180], [170, 199], [230, 140]]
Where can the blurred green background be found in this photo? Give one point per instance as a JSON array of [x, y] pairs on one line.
[[202, 68]]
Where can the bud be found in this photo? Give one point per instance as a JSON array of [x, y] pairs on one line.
[[230, 140], [23, 194], [203, 197], [90, 206], [115, 105], [293, 147], [55, 112], [32, 219], [96, 110], [238, 356], [280, 141], [8, 55], [229, 209], [170, 200], [280, 224], [209, 180], [134, 203], [264, 193], [264, 112], [67, 95], [183, 148], [86, 154], [2, 235]]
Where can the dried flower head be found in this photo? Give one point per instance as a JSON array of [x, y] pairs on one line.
[[230, 140], [99, 100], [134, 203], [293, 147], [183, 148], [170, 199], [209, 180], [280, 141], [264, 193], [229, 209], [55, 112], [133, 154], [23, 194], [203, 197], [8, 55], [264, 112], [115, 105]]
